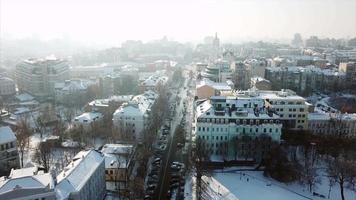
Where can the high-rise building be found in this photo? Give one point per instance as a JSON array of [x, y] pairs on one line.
[[38, 76], [350, 72], [241, 75]]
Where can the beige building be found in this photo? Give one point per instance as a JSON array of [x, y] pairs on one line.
[[206, 88], [350, 71]]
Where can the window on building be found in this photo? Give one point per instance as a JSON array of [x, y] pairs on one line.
[[264, 130], [207, 129], [301, 109], [199, 128]]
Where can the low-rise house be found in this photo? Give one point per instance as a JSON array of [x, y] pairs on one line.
[[207, 88], [82, 178], [260, 83], [153, 82], [27, 184], [88, 120], [118, 165], [9, 157], [71, 91]]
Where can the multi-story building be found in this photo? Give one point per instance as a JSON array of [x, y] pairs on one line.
[[38, 76], [291, 108], [241, 76], [343, 125], [221, 122], [83, 177], [7, 86], [118, 165], [218, 71], [9, 157], [305, 80], [132, 117], [349, 69], [27, 184], [258, 66]]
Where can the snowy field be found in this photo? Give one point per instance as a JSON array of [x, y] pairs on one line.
[[252, 185]]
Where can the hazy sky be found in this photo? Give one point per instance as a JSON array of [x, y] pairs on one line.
[[105, 21]]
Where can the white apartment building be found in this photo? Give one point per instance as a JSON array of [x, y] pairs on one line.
[[38, 76], [223, 120], [83, 178], [9, 157], [133, 115], [7, 86], [27, 184]]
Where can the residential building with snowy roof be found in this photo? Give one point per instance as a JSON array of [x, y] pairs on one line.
[[207, 88], [27, 184], [118, 165], [87, 120], [152, 82], [255, 113], [132, 117], [82, 178], [71, 91], [9, 157], [305, 80]]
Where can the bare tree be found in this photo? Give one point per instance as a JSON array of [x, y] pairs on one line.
[[341, 171], [200, 156], [43, 155], [23, 134]]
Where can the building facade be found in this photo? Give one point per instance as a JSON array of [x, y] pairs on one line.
[[131, 118], [38, 76], [9, 157], [82, 178], [305, 80], [7, 86], [222, 122], [349, 69]]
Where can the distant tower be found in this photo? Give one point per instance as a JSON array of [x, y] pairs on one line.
[[216, 42]]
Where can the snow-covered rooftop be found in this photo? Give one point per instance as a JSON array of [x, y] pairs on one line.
[[88, 117], [78, 171], [215, 85], [6, 135], [26, 178], [24, 97]]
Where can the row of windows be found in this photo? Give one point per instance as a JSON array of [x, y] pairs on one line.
[[237, 121], [7, 146], [244, 130]]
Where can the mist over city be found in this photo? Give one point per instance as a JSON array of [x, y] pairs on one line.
[[179, 100]]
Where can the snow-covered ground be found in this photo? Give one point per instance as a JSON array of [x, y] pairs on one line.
[[252, 185]]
